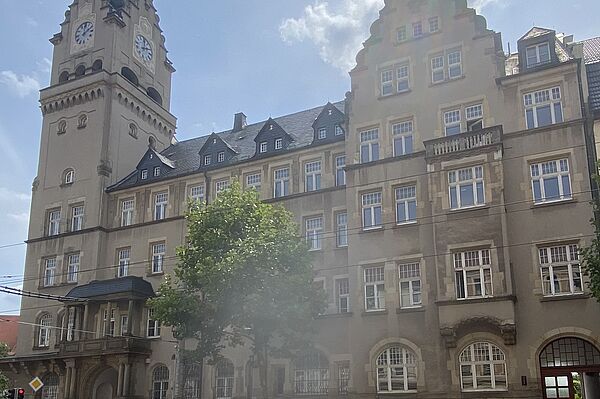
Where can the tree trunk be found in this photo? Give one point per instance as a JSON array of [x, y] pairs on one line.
[[262, 357]]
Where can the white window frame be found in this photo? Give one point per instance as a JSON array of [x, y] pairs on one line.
[[403, 134], [314, 233], [112, 323], [127, 209], [466, 263], [452, 120], [224, 384], [44, 331], [124, 260], [50, 269], [70, 177], [339, 131], [565, 257], [538, 56], [459, 179], [474, 117], [77, 215], [156, 171], [152, 326], [374, 280], [401, 34], [372, 203], [406, 199], [73, 265], [403, 78], [537, 100], [387, 82], [281, 182], [144, 174], [221, 157], [394, 362], [341, 229], [322, 134], [312, 175], [207, 159], [454, 58], [123, 325], [160, 386], [342, 295], [254, 181], [161, 201], [438, 66], [417, 29], [263, 147], [278, 144], [159, 250], [369, 142], [54, 218], [554, 169], [340, 170], [197, 192], [221, 185], [434, 24], [410, 285], [490, 359]]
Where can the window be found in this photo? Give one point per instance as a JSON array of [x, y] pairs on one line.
[[111, 323], [153, 330], [452, 122], [340, 172], [543, 108], [410, 285], [71, 326], [342, 295], [69, 176], [483, 368], [157, 171], [77, 213], [466, 187], [402, 74], [73, 268], [371, 210], [312, 174], [197, 193], [322, 133], [44, 331], [474, 115], [339, 131], [473, 271], [224, 379], [160, 382], [124, 325], [192, 386], [417, 29], [406, 204], [437, 69], [278, 144], [160, 206], [282, 183], [207, 159], [50, 388], [127, 207], [158, 257], [124, 256], [401, 34], [369, 146], [561, 270], [343, 378], [374, 289], [221, 157], [551, 181], [434, 24], [387, 83], [314, 233], [538, 54], [263, 147], [403, 138], [54, 222], [311, 375], [49, 272], [396, 370], [144, 174], [454, 64], [341, 229], [221, 186], [254, 181]]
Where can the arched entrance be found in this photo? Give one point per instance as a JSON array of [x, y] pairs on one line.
[[570, 369], [105, 385]]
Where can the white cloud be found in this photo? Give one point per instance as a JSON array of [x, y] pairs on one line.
[[21, 85], [22, 217], [338, 33], [10, 195], [481, 4]]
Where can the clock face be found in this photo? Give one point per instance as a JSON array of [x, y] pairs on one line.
[[143, 48], [84, 33]]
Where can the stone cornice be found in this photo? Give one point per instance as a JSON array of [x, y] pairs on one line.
[[71, 98]]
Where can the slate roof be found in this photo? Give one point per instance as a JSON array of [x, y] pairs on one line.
[[591, 50], [593, 76], [536, 31], [134, 286], [184, 154]]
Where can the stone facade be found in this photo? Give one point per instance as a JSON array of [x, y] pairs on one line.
[[447, 197]]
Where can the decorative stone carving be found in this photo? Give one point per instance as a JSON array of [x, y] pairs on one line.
[[82, 121], [62, 127], [104, 169]]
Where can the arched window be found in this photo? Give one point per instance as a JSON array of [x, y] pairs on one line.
[[64, 77], [80, 71], [44, 330], [397, 370], [69, 176], [568, 352], [50, 389], [155, 95], [192, 386], [224, 379], [97, 66], [311, 375], [483, 368], [160, 382], [130, 76]]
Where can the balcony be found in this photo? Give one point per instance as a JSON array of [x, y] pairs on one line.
[[464, 142], [105, 346]]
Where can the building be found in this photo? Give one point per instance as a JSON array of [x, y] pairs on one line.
[[445, 200], [9, 332]]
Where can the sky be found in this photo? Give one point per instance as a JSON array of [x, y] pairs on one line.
[[261, 57]]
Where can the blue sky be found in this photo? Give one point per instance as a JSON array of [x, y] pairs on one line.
[[258, 57]]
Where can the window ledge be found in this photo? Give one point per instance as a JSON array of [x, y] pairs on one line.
[[406, 224], [375, 312], [553, 203], [452, 302], [448, 80], [341, 248], [155, 274], [469, 209], [335, 315], [371, 230], [567, 297], [415, 309], [397, 94]]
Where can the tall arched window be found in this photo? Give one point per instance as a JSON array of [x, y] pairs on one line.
[[44, 330], [130, 75], [80, 71], [397, 370], [160, 382], [483, 368], [192, 386], [50, 389], [155, 95], [311, 375], [224, 379], [64, 77]]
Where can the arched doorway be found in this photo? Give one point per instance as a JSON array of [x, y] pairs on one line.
[[105, 385], [570, 369]]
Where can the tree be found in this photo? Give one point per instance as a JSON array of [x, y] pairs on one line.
[[591, 254], [245, 274], [3, 379]]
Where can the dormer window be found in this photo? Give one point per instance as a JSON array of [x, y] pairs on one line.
[[144, 174], [207, 159], [221, 157], [538, 54], [338, 130], [157, 171], [323, 133], [278, 144], [263, 147]]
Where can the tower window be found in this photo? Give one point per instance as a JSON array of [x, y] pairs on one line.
[[130, 76], [80, 71], [64, 77], [97, 66], [69, 176], [155, 95]]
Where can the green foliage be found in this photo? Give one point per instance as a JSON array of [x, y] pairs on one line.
[[591, 255], [3, 380], [245, 273]]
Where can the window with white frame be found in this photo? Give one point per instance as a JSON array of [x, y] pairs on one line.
[[71, 326], [561, 270], [342, 295], [160, 382], [387, 82], [153, 325], [224, 379], [124, 259], [197, 193], [263, 147], [341, 229], [158, 257], [340, 171], [314, 233], [160, 205], [73, 262], [54, 222], [466, 187], [339, 131], [278, 144], [397, 370], [312, 176], [221, 185], [281, 182], [44, 331], [538, 54], [551, 181], [371, 210], [483, 368], [410, 285], [111, 323], [434, 24], [144, 174], [207, 159], [401, 34], [127, 208], [473, 271], [311, 374], [438, 73], [77, 213], [452, 122], [369, 145], [374, 288], [254, 181], [50, 388], [474, 117], [402, 78], [221, 157], [69, 176], [417, 29], [124, 325], [406, 204], [403, 138], [343, 377], [157, 171], [49, 272], [322, 133], [543, 107], [454, 64]]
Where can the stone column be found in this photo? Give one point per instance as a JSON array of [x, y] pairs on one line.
[[84, 326], [127, 379], [107, 321], [130, 317], [67, 383], [73, 385], [120, 380]]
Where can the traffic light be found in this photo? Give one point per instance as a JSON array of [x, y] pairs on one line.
[[20, 393], [10, 394]]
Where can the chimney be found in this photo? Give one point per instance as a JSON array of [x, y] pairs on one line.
[[239, 122]]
